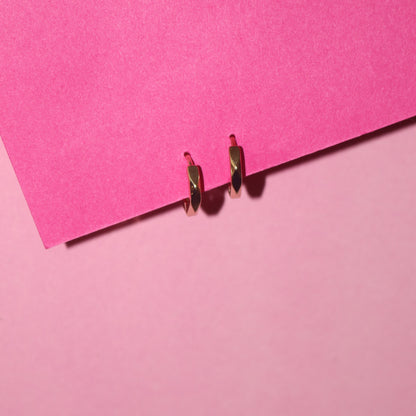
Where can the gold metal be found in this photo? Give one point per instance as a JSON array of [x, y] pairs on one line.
[[236, 182], [192, 203]]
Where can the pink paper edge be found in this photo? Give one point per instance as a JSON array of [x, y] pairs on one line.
[[48, 245]]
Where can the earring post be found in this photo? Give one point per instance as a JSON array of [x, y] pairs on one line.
[[189, 159], [233, 140]]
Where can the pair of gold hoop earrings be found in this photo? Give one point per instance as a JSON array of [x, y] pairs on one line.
[[192, 203]]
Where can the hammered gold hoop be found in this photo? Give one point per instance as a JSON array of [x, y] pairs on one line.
[[236, 166], [192, 203]]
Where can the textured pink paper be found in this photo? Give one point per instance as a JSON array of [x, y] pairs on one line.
[[100, 99]]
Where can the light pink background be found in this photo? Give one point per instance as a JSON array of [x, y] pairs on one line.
[[299, 302]]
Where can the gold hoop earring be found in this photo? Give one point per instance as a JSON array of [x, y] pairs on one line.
[[192, 203], [236, 169]]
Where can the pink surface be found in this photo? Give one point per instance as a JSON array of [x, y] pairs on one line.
[[298, 302], [100, 99]]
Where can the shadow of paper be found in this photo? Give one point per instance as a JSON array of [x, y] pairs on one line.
[[214, 199], [123, 224]]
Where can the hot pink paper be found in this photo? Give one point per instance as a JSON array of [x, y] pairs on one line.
[[100, 99]]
